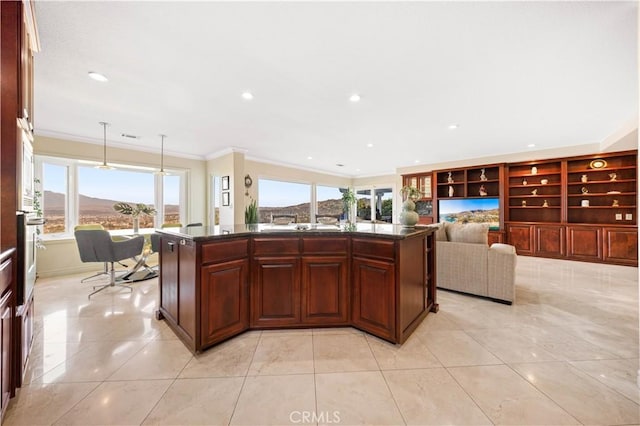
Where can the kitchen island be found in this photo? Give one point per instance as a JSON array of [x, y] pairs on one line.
[[217, 282]]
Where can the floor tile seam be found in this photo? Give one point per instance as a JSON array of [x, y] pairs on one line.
[[158, 401], [244, 379], [127, 360], [467, 393], [373, 353], [486, 349], [424, 341], [393, 397], [315, 384], [97, 385], [543, 392], [597, 378]]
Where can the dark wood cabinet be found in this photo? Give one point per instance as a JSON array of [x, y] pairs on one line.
[[324, 292], [225, 300], [549, 240], [578, 208], [6, 349], [521, 236], [374, 296], [495, 236], [169, 277], [7, 345], [620, 245], [584, 242], [383, 285], [275, 291]]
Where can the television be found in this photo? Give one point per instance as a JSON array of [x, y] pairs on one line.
[[470, 210]]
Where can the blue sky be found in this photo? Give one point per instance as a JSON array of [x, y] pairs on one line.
[[119, 185]]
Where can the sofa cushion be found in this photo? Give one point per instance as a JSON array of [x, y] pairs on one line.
[[441, 234], [468, 233]]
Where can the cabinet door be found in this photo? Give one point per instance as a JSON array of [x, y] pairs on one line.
[[275, 291], [169, 277], [225, 300], [522, 237], [621, 245], [5, 350], [324, 290], [584, 243], [550, 240], [373, 308]]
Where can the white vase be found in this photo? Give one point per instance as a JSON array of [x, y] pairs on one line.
[[409, 217]]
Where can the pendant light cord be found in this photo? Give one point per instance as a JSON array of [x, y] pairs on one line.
[[104, 145]]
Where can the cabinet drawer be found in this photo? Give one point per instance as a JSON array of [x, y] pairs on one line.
[[317, 245], [373, 248], [225, 250], [5, 275], [275, 246]]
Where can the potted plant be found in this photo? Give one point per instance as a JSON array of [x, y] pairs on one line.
[[135, 211], [251, 213], [348, 200]]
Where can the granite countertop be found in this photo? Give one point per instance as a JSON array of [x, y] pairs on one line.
[[199, 233]]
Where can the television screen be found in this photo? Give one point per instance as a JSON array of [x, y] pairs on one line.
[[482, 210]]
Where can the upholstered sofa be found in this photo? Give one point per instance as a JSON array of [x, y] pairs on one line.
[[466, 263]]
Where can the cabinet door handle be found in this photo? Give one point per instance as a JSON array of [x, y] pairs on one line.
[[171, 245]]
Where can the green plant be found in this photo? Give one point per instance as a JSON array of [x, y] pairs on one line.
[[251, 213], [410, 192], [135, 210], [348, 200]]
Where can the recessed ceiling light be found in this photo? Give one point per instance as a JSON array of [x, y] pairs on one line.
[[339, 164], [247, 95], [369, 145], [453, 126], [357, 170], [531, 145], [416, 161], [98, 77], [309, 158], [354, 98]]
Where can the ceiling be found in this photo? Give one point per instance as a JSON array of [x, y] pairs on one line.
[[509, 74]]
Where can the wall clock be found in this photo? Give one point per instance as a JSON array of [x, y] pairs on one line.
[[247, 183]]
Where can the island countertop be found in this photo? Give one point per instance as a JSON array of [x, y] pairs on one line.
[[205, 233], [217, 282]]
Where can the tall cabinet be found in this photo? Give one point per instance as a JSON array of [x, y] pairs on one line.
[[579, 208], [19, 39]]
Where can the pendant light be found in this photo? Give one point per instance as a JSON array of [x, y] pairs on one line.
[[104, 164], [162, 172]]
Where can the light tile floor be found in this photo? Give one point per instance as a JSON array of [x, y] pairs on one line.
[[565, 353]]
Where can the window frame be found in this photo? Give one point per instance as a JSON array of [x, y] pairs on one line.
[[72, 194]]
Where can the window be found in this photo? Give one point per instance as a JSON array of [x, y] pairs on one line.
[[76, 193], [283, 198], [329, 203], [171, 198], [54, 198], [382, 202], [96, 200]]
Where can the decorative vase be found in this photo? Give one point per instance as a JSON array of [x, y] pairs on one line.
[[409, 217], [136, 225]]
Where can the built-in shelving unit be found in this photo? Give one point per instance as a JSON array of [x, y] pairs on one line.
[[605, 194], [535, 192], [579, 208], [424, 205]]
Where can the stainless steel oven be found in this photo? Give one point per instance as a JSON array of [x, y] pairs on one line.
[[26, 255]]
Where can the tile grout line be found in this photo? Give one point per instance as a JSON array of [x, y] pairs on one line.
[[244, 379]]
